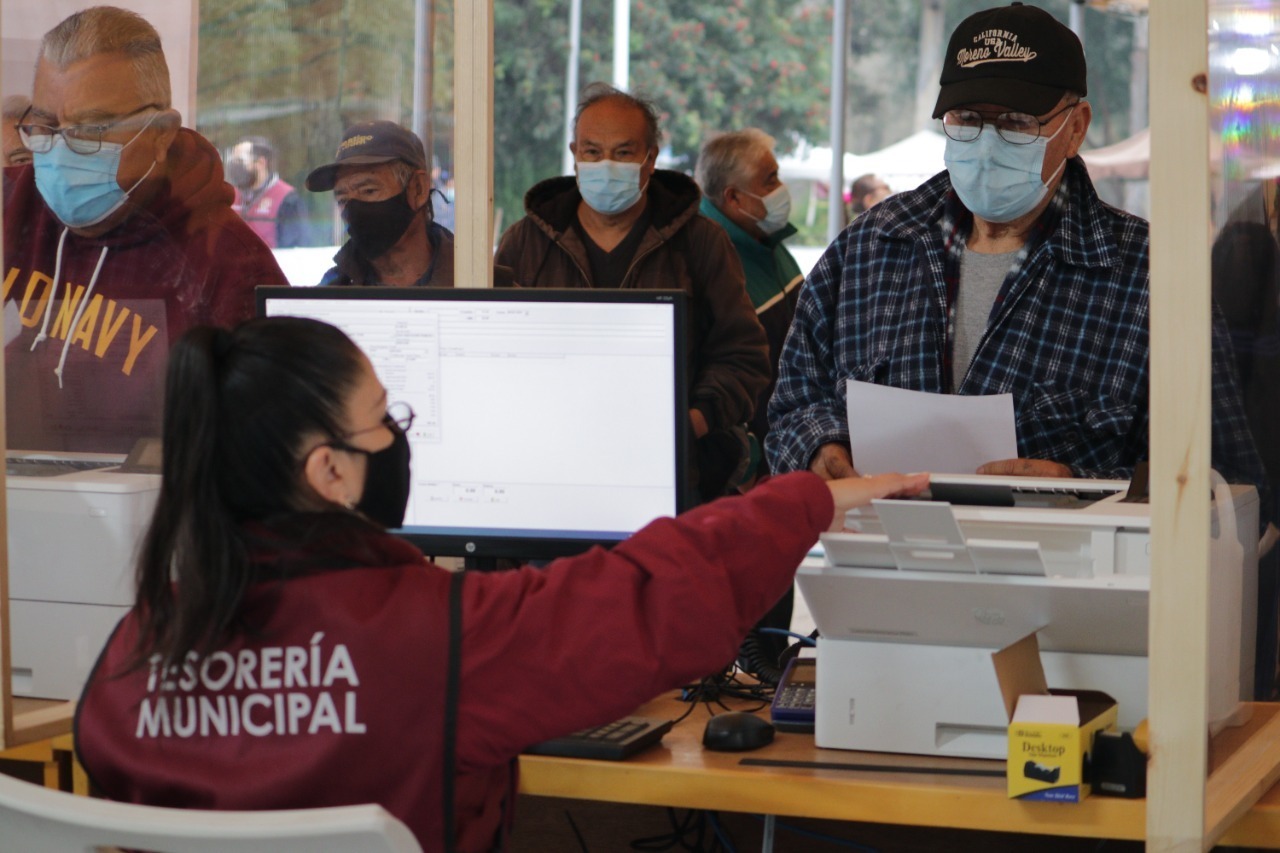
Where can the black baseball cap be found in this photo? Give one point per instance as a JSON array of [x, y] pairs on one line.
[[367, 143], [1016, 56]]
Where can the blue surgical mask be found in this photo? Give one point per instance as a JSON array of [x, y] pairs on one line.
[[81, 189], [998, 180], [608, 186], [777, 209]]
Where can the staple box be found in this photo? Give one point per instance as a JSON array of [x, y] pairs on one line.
[[1050, 731]]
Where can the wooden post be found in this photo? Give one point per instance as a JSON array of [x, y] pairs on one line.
[[473, 142], [6, 674], [1181, 397]]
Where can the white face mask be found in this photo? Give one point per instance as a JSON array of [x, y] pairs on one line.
[[777, 209]]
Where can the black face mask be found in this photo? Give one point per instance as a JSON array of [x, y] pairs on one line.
[[239, 174], [386, 481], [376, 226]]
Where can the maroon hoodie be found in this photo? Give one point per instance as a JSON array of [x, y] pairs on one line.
[[334, 690], [186, 259]]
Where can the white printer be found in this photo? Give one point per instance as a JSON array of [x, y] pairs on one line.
[[75, 523], [911, 606]]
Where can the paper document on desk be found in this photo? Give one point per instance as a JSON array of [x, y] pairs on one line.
[[891, 429]]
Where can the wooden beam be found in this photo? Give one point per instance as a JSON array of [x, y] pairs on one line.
[[1181, 397], [1241, 780], [6, 674], [473, 142], [40, 719]]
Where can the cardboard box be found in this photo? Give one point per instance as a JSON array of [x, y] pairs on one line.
[[1050, 731]]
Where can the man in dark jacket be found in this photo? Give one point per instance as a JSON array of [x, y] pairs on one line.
[[380, 181], [621, 222]]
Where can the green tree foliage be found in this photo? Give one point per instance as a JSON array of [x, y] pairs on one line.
[[298, 71], [714, 67], [531, 46], [708, 67]]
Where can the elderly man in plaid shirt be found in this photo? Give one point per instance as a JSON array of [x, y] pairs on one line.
[[1004, 274]]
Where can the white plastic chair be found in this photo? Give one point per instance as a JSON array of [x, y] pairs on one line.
[[40, 820]]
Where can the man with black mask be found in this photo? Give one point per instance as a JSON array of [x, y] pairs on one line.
[[271, 207], [380, 180]]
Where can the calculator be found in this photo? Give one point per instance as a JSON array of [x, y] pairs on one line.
[[796, 696]]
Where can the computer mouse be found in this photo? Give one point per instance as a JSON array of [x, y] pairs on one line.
[[736, 731]]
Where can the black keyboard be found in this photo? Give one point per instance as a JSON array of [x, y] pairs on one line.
[[19, 466], [611, 742]]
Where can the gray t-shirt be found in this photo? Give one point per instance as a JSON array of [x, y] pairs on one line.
[[980, 279]]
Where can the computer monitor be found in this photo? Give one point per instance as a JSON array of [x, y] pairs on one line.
[[548, 421]]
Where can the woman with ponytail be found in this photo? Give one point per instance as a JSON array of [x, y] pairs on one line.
[[285, 651]]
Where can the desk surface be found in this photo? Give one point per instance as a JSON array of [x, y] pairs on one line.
[[38, 719], [682, 773]]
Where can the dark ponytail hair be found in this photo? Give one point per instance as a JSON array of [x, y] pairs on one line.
[[238, 405]]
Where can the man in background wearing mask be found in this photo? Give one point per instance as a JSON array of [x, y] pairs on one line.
[[1004, 274], [273, 208], [741, 192], [381, 184], [13, 152], [623, 223], [119, 238]]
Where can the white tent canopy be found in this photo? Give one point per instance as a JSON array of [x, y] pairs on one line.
[[1127, 158], [909, 162], [811, 163], [903, 165]]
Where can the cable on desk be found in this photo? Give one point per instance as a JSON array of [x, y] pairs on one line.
[[819, 836], [754, 659], [726, 684], [721, 832], [689, 833], [801, 639], [577, 833]]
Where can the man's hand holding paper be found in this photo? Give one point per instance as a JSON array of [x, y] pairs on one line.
[[893, 429]]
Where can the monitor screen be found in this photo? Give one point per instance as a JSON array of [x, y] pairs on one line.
[[547, 420]]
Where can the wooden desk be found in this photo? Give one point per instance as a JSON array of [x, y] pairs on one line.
[[42, 734], [680, 773], [40, 719]]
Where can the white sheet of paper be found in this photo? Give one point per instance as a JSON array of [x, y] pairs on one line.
[[891, 429]]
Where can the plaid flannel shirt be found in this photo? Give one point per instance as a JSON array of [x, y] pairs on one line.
[[1068, 334]]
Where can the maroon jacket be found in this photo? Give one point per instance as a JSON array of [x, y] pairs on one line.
[[265, 209], [334, 691], [185, 259]]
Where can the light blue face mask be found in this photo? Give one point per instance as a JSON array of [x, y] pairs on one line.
[[998, 180], [608, 186], [81, 189]]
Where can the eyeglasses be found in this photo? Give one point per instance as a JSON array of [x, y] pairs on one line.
[[80, 138], [1014, 128], [399, 415]]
